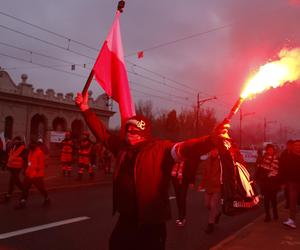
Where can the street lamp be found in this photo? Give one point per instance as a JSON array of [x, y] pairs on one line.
[[242, 115], [199, 103], [265, 127]]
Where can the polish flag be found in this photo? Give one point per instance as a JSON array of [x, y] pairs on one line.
[[140, 54], [110, 70]]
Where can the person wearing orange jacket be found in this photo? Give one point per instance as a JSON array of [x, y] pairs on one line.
[[34, 174], [66, 156], [17, 155], [84, 156]]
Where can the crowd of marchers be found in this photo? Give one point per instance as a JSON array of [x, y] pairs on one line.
[[26, 163], [138, 157], [30, 162]]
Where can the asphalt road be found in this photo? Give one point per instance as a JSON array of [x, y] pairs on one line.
[[83, 221]]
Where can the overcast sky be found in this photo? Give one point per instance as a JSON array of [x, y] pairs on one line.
[[207, 47]]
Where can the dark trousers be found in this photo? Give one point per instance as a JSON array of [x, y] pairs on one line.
[[14, 180], [270, 198], [294, 191], [38, 182], [128, 235], [287, 197], [181, 189]]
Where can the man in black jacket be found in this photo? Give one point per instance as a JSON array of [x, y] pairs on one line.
[[142, 176], [290, 175]]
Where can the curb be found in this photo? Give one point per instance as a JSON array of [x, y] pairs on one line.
[[235, 235]]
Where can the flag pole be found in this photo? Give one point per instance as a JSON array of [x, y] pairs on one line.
[[88, 83], [121, 5]]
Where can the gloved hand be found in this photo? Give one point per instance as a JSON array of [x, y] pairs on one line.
[[82, 101]]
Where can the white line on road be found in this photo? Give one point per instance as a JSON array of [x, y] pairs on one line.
[[42, 227]]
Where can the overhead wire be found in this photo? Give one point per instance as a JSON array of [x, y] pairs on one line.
[[95, 49]]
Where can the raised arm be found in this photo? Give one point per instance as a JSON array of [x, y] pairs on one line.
[[110, 141], [194, 148]]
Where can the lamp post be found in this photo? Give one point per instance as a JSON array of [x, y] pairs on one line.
[[265, 127], [242, 115], [199, 103]]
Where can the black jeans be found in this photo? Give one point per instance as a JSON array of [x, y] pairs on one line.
[[14, 180], [38, 182], [269, 191], [181, 189], [128, 235]]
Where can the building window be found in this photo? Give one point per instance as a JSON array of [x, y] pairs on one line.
[[77, 128], [38, 127], [59, 124], [8, 127]]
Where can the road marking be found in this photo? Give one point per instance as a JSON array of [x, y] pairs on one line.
[[172, 197], [42, 227]]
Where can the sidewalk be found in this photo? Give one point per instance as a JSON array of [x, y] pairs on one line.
[[261, 235], [55, 180]]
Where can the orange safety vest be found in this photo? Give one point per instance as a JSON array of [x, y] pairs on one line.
[[36, 163], [67, 150], [14, 158], [84, 155]]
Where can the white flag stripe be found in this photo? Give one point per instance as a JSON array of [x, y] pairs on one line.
[[42, 227]]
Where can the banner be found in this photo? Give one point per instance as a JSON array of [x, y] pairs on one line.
[[57, 136]]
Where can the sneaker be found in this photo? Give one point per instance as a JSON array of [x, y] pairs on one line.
[[180, 222], [210, 228], [289, 223], [21, 204]]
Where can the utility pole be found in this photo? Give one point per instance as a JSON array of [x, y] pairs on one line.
[[199, 103], [265, 127], [242, 115]]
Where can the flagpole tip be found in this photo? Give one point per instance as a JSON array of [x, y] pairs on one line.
[[121, 5]]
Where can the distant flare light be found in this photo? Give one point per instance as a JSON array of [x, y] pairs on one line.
[[275, 74]]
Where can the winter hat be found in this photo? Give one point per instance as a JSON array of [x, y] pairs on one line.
[[141, 123]]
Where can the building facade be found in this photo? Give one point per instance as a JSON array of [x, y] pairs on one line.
[[31, 113]]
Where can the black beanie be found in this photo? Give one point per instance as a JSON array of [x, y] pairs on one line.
[[141, 123]]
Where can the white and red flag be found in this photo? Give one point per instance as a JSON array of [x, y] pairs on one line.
[[110, 70]]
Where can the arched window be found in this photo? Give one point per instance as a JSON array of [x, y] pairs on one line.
[[59, 124], [8, 127], [77, 128], [38, 126]]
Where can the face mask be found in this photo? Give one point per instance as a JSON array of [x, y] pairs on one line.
[[133, 139]]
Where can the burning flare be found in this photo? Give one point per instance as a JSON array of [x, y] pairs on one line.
[[270, 75], [275, 74]]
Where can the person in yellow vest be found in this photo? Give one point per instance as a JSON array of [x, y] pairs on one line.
[[34, 174], [84, 156], [66, 157], [16, 162]]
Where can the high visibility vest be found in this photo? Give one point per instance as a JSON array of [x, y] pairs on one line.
[[14, 158], [84, 155], [36, 163], [67, 151]]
